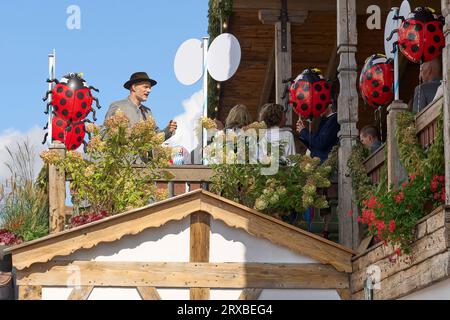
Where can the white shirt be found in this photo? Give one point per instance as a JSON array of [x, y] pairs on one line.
[[275, 136]]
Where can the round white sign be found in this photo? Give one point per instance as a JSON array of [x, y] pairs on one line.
[[224, 57], [188, 64]]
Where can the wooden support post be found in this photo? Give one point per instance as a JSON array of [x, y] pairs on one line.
[[347, 40], [30, 293], [199, 248], [396, 171], [446, 67], [283, 48], [57, 192]]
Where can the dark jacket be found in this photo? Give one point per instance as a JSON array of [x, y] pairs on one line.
[[321, 143], [424, 94]]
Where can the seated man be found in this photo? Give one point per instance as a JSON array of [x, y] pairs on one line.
[[430, 76], [370, 138]]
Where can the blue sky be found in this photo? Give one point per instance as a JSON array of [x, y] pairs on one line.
[[116, 38]]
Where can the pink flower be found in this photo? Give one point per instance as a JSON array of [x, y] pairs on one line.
[[391, 226], [398, 198], [434, 186]]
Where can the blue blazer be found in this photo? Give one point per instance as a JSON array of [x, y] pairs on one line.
[[321, 143]]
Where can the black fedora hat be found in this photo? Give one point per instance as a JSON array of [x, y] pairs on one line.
[[138, 77]]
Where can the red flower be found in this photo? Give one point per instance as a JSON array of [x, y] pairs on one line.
[[442, 179], [436, 196], [380, 226], [391, 226], [371, 203], [398, 198], [405, 184], [412, 176], [443, 195], [398, 252], [434, 186]]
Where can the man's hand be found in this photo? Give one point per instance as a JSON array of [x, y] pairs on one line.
[[300, 126], [172, 126]]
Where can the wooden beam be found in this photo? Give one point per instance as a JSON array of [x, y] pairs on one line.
[[278, 232], [428, 115], [445, 8], [347, 42], [199, 248], [106, 230], [396, 171], [283, 67], [268, 79], [321, 5], [57, 192], [30, 292], [187, 275], [333, 63], [250, 294], [273, 16], [81, 293], [148, 293], [345, 294], [375, 160]]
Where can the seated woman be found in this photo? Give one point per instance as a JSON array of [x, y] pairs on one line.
[[277, 134], [237, 118]]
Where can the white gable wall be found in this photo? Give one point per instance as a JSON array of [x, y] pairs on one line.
[[170, 243], [438, 291]]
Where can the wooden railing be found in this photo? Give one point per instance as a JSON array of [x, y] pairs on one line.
[[426, 122], [374, 163]]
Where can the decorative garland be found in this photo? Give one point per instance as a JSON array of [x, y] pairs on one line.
[[219, 12]]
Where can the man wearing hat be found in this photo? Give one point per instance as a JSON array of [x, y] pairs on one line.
[[140, 86]]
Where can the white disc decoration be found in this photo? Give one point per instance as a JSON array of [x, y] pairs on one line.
[[224, 57], [405, 9], [391, 25], [188, 64]]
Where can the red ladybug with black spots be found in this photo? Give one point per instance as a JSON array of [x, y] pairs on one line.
[[310, 94], [376, 82], [70, 134], [421, 36], [72, 98]]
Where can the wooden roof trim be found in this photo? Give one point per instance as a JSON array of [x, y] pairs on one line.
[[175, 209], [278, 232]]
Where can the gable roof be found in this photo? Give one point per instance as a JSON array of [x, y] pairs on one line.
[[175, 209]]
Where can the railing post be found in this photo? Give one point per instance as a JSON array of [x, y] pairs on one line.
[[347, 41], [57, 192], [445, 6], [396, 171]]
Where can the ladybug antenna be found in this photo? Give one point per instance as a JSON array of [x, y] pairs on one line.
[[402, 18], [47, 108], [46, 126], [85, 146]]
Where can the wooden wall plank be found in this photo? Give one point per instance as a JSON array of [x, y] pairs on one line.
[[200, 230], [250, 294], [81, 293], [30, 292], [148, 293], [187, 275]]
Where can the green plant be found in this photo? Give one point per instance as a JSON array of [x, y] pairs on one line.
[[392, 214], [23, 205], [294, 187], [108, 179], [219, 12]]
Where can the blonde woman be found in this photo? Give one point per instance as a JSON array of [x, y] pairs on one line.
[[238, 117]]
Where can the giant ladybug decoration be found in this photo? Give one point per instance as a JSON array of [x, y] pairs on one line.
[[70, 134], [310, 94], [72, 98], [420, 36], [376, 82]]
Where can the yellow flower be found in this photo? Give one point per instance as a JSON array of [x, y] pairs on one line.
[[260, 204], [74, 155], [207, 123], [50, 156], [90, 170], [92, 128], [118, 120]]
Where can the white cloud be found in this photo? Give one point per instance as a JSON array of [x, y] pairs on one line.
[[10, 138], [187, 131]]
